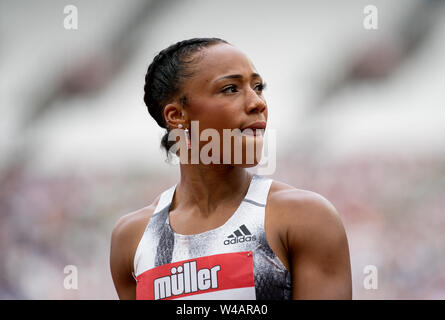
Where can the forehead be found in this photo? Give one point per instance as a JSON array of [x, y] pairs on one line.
[[222, 59]]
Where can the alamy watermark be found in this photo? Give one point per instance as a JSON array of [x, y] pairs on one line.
[[371, 280], [246, 149], [371, 19], [71, 281], [71, 20]]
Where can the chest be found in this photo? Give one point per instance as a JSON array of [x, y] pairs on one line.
[[192, 222], [230, 262], [221, 232]]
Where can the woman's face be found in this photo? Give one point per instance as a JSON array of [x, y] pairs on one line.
[[225, 92]]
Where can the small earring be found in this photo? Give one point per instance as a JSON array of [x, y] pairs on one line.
[[187, 138]]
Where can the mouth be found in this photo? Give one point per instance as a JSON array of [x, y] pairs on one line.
[[254, 129], [253, 132]]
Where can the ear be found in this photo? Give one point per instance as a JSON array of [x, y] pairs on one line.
[[174, 115]]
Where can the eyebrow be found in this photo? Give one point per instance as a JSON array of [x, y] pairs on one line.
[[237, 76]]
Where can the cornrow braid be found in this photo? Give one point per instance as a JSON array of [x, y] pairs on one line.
[[165, 76]]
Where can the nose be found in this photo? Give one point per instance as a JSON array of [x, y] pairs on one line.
[[254, 102]]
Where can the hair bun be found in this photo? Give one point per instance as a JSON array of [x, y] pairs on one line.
[[165, 75]]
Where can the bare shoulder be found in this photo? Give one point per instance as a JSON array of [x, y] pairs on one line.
[[127, 224], [315, 240], [125, 237], [304, 215], [128, 231], [290, 200]]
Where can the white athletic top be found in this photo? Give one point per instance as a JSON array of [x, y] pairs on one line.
[[233, 261]]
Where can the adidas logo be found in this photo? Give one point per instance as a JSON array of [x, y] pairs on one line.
[[242, 234]]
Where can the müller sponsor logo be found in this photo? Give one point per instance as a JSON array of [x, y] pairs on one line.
[[186, 279]]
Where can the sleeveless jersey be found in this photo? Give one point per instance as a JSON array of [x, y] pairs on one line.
[[233, 261]]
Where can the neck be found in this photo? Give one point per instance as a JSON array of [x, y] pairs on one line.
[[203, 188]]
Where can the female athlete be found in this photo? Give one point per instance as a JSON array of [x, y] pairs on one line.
[[222, 232]]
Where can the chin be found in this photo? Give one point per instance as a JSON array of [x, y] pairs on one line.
[[254, 160], [245, 165], [247, 156]]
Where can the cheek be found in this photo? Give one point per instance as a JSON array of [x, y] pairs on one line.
[[213, 113]]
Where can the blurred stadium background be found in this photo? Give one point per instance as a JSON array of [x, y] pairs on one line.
[[359, 116]]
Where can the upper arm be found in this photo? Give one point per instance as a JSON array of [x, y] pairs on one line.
[[125, 238], [120, 260], [318, 249]]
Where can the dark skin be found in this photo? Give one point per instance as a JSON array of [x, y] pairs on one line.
[[302, 227]]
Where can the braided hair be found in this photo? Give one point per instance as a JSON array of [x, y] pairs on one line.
[[165, 76]]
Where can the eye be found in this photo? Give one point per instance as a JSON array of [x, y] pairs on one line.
[[260, 86], [230, 89]]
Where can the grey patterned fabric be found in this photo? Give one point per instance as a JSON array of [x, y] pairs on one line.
[[243, 231]]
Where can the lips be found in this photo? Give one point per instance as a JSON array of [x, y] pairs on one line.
[[254, 129]]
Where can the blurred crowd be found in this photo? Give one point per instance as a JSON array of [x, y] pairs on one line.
[[392, 209], [359, 114]]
